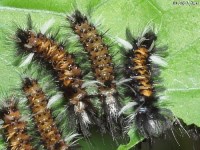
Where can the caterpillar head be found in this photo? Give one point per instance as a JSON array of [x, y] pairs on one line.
[[26, 39], [9, 110], [77, 18]]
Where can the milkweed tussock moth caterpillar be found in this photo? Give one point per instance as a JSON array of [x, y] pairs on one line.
[[102, 66], [142, 64], [42, 116], [15, 129], [68, 74]]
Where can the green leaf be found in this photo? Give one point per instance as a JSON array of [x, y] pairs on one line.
[[134, 139], [177, 27]]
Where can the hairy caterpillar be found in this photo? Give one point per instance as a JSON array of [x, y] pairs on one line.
[[14, 126], [102, 66], [67, 73], [142, 64], [42, 115]]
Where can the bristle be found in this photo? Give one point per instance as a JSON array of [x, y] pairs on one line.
[[53, 99], [102, 66], [90, 83], [110, 102], [29, 22], [14, 126], [42, 115], [46, 26], [126, 107], [150, 122], [63, 66], [27, 60], [158, 60], [72, 138], [125, 43]]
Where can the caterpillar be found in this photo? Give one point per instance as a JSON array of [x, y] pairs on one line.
[[67, 73], [44, 121], [15, 128], [101, 63], [142, 64]]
